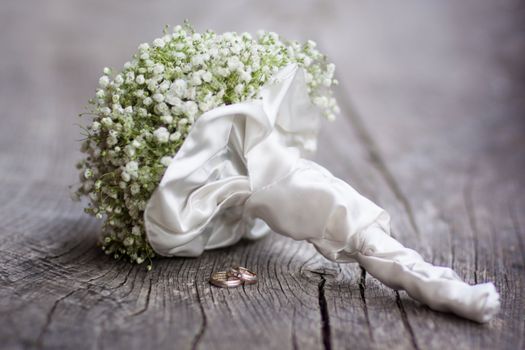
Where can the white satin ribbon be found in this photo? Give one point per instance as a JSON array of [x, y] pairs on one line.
[[240, 172]]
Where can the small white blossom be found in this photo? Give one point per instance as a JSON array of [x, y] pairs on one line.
[[95, 126], [129, 150], [196, 79], [197, 60], [207, 76], [130, 77], [134, 188], [234, 63], [125, 176], [107, 122], [164, 86], [159, 42], [239, 88], [128, 241], [236, 49], [166, 161], [140, 79], [119, 80], [142, 112], [245, 76], [147, 101], [180, 55], [175, 136], [161, 135], [162, 108], [158, 69], [143, 47], [111, 140], [190, 108], [152, 85], [132, 168], [179, 87], [166, 119], [206, 105], [136, 230], [103, 81], [158, 97]]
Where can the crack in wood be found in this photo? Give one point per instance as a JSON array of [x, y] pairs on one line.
[[362, 287], [376, 159], [325, 317], [406, 322], [86, 286], [295, 346], [204, 322], [49, 317], [125, 281], [146, 306]]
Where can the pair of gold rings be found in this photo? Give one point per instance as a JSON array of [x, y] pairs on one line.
[[234, 277]]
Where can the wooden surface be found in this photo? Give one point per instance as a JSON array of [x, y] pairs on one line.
[[432, 129]]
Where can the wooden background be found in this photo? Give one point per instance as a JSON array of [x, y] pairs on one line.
[[432, 128]]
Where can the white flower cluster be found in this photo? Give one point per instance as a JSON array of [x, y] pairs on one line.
[[142, 114]]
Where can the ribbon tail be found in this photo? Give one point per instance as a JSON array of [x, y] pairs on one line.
[[313, 205], [438, 287]]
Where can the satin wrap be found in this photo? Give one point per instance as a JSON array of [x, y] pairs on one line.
[[241, 173]]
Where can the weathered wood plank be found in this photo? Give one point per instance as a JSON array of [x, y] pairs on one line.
[[435, 137]]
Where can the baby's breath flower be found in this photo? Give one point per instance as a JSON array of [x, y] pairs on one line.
[[175, 136], [134, 188], [140, 80], [166, 161], [167, 119], [178, 88], [161, 135], [147, 101], [132, 168], [119, 80], [103, 81], [158, 43], [158, 97], [125, 176], [144, 112], [95, 126]]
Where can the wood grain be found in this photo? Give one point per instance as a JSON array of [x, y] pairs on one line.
[[431, 128]]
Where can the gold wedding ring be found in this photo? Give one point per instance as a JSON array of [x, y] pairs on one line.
[[235, 277], [224, 279], [247, 276]]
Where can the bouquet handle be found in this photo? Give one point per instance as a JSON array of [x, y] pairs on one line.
[[311, 204]]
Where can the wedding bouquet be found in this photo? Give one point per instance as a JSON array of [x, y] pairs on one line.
[[201, 140], [143, 113]]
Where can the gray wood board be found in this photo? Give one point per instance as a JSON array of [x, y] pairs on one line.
[[431, 129]]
